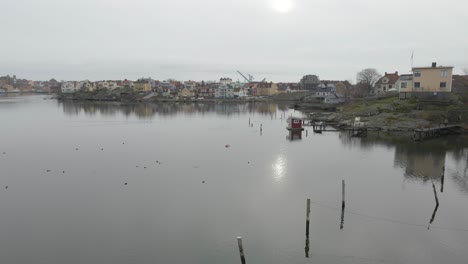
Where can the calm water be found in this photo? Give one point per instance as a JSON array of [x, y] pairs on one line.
[[81, 211]]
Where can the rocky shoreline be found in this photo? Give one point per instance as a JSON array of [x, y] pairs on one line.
[[393, 115]]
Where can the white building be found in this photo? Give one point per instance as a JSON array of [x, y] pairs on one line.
[[325, 89], [191, 85], [224, 91], [225, 81], [243, 93], [70, 87]]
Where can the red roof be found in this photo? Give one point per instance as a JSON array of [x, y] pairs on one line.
[[392, 78]]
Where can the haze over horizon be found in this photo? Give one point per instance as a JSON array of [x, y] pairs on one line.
[[280, 40]]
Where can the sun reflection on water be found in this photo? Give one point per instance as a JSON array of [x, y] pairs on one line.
[[279, 168]]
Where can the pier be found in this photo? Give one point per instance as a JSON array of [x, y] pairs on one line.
[[421, 134]]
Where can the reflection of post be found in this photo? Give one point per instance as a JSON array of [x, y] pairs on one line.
[[342, 204], [442, 179], [435, 194], [307, 229], [436, 207], [241, 249], [249, 121], [433, 215]]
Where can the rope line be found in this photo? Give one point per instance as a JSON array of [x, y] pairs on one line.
[[384, 219]]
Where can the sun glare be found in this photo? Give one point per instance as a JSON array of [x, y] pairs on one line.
[[283, 6]]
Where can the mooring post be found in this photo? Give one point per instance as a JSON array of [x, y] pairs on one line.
[[249, 121], [342, 204], [307, 217], [442, 179], [307, 132], [307, 229], [343, 194], [241, 249]]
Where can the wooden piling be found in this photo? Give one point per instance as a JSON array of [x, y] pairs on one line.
[[442, 180], [241, 249], [307, 132], [342, 205], [307, 229], [343, 195], [307, 217]]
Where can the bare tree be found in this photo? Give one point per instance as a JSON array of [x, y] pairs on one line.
[[367, 78], [465, 71]]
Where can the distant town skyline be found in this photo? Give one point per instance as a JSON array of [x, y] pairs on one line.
[[280, 40]]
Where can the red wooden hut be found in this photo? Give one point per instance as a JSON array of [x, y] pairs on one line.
[[295, 124]]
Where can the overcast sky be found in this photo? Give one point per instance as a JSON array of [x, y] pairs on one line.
[[280, 40]]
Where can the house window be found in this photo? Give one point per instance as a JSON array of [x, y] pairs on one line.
[[404, 85], [417, 85], [443, 85], [443, 73], [296, 121], [417, 74]]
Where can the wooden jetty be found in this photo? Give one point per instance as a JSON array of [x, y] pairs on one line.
[[421, 134]]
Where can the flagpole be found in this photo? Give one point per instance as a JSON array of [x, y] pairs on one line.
[[412, 59]]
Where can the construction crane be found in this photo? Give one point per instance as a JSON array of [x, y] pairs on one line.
[[250, 79]]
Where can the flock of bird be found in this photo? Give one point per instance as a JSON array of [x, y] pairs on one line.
[[123, 143]]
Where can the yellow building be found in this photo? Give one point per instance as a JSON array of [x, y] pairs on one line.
[[185, 93], [141, 87], [434, 82], [266, 89]]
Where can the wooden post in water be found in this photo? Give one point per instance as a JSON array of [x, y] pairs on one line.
[[241, 249], [249, 121], [343, 194], [307, 131], [342, 204], [307, 229], [307, 217], [442, 180]]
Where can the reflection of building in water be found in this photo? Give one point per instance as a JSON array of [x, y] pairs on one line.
[[148, 110], [418, 163], [459, 173], [294, 135]]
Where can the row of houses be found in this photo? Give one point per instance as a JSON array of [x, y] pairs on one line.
[[432, 82]]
